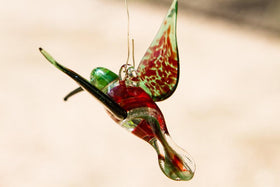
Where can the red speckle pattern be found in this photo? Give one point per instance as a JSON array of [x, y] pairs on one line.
[[159, 68]]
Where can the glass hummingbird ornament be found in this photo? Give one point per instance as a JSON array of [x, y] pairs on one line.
[[130, 97]]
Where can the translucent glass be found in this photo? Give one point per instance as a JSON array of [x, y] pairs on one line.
[[174, 162]]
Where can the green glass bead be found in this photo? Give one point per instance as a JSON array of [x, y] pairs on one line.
[[101, 77]]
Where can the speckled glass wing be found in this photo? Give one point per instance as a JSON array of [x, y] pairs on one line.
[[159, 68]]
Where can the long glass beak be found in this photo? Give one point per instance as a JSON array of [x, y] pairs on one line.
[[109, 103]]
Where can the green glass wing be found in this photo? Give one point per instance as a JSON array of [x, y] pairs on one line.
[[159, 68]]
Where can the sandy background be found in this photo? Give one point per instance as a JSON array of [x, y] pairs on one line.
[[225, 111]]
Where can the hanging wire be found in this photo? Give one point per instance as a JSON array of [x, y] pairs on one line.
[[133, 59], [128, 38], [126, 67]]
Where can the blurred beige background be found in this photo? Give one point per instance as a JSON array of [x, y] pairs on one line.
[[225, 111]]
